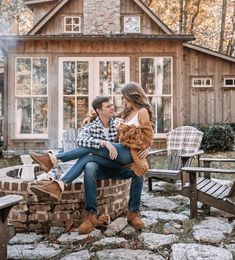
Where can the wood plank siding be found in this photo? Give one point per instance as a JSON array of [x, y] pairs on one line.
[[175, 101], [99, 48], [211, 104]]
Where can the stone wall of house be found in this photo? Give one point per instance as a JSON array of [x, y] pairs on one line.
[[101, 16], [32, 214]]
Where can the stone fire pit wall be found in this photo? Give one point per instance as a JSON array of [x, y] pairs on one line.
[[30, 214]]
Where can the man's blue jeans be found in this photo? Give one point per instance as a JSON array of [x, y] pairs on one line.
[[124, 157], [94, 172]]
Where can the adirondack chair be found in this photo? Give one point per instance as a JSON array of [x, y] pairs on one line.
[[183, 144], [6, 231], [69, 140], [208, 191]]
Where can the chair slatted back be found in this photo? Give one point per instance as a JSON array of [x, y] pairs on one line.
[[69, 140], [182, 140]]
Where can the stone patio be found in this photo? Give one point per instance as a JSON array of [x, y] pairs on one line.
[[169, 234]]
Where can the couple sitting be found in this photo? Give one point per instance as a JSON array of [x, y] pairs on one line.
[[101, 158]]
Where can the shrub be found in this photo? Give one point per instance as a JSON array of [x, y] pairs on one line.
[[217, 137], [233, 126]]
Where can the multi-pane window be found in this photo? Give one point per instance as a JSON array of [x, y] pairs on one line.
[[75, 92], [81, 79], [156, 80], [31, 83], [112, 75], [204, 82], [132, 24], [229, 82], [72, 24]]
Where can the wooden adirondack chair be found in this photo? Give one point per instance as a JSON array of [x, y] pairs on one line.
[[6, 231], [69, 140], [208, 191], [183, 144]]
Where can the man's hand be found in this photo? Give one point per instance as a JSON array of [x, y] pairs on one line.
[[112, 150], [143, 153]]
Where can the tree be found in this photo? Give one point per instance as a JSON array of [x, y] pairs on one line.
[[181, 16], [231, 43], [15, 17], [221, 41]]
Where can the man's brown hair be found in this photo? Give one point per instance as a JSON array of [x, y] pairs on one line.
[[98, 101]]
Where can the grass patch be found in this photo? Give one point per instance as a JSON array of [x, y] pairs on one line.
[[7, 162]]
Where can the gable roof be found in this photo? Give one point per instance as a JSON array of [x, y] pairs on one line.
[[47, 17], [61, 3], [208, 51]]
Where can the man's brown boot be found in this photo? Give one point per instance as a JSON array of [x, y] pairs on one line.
[[44, 160], [133, 219], [53, 189], [89, 223]]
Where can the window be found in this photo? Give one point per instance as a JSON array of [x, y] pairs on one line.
[[112, 77], [201, 82], [229, 82], [132, 24], [156, 79], [31, 82], [81, 79], [72, 24], [75, 92]]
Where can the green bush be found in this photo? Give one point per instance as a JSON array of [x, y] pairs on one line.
[[233, 126], [217, 137]]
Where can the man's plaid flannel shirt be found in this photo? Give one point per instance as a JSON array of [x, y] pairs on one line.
[[92, 134]]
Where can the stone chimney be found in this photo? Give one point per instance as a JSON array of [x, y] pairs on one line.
[[101, 16]]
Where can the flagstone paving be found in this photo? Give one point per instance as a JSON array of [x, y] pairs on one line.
[[169, 234]]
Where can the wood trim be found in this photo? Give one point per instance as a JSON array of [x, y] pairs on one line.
[[47, 17], [66, 37], [38, 1]]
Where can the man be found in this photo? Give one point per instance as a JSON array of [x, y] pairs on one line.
[[98, 133]]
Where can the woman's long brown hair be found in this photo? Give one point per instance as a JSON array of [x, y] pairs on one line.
[[133, 93]]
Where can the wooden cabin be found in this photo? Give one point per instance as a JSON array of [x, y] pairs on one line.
[[78, 49]]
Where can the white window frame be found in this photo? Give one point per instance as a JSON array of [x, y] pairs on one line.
[[30, 136], [93, 89], [72, 17], [126, 17], [229, 78], [160, 135], [203, 80]]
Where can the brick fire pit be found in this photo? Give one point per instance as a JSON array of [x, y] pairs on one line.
[[30, 214]]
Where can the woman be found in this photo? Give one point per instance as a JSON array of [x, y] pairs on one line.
[[138, 118]]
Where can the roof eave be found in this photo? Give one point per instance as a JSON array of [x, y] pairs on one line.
[[66, 37], [209, 52]]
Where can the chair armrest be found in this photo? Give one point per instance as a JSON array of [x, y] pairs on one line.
[[163, 171], [205, 170], [9, 201], [188, 155], [151, 152], [217, 160]]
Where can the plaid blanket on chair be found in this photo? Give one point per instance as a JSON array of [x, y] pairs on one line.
[[184, 139]]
